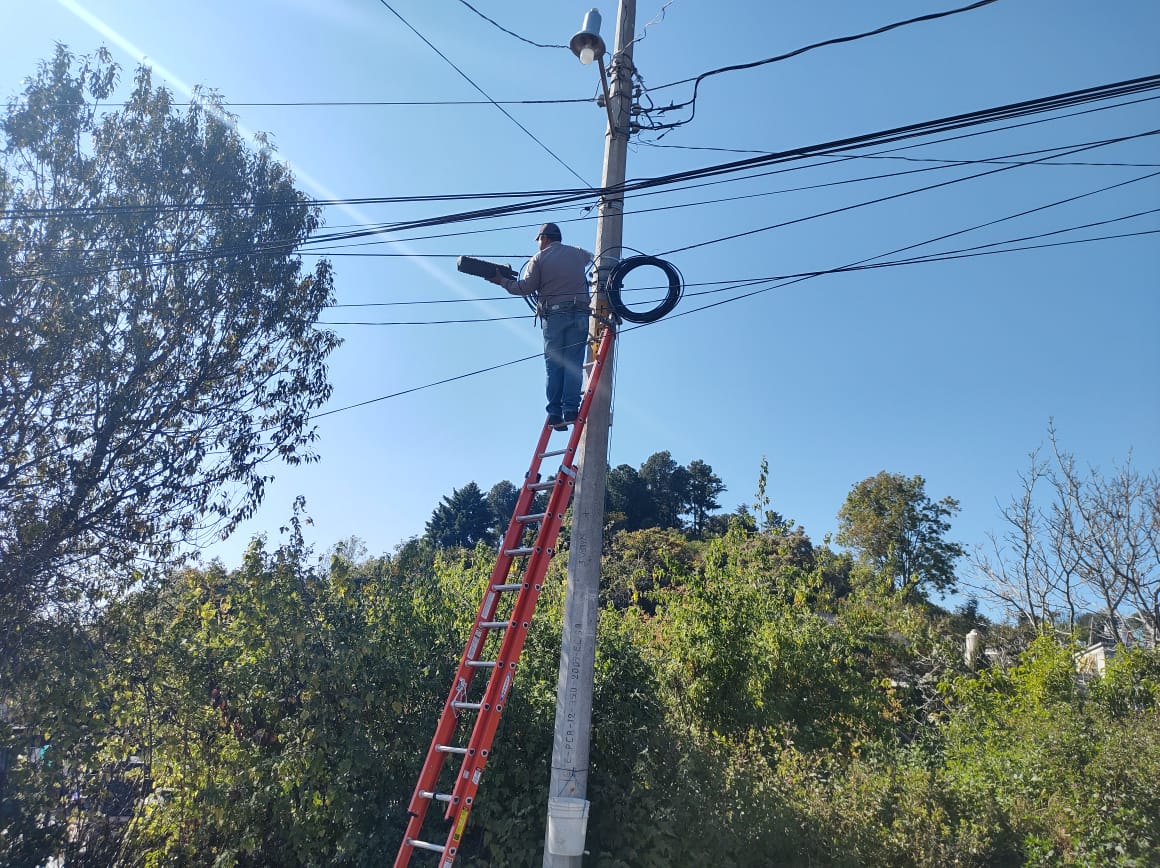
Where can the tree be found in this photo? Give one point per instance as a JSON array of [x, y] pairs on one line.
[[703, 488], [636, 563], [158, 346], [626, 497], [771, 521], [667, 484], [899, 532], [501, 500], [462, 518], [1092, 547]]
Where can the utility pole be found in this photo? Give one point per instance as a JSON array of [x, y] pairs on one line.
[[570, 744]]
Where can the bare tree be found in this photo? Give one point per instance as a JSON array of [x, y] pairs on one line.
[[1020, 568], [1093, 548]]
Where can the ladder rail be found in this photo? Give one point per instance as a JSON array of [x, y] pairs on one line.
[[465, 673], [467, 781], [502, 672], [499, 685]]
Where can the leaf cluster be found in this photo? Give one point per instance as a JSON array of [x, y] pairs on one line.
[[157, 338]]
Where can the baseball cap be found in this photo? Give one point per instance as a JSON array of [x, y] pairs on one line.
[[551, 231]]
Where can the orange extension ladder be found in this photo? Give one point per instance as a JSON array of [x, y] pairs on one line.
[[523, 590]]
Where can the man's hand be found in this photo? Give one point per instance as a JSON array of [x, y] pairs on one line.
[[500, 274]]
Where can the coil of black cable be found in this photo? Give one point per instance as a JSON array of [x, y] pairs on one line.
[[616, 282]]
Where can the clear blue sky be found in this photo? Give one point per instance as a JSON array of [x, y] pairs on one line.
[[951, 370]]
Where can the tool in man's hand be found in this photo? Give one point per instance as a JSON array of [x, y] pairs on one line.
[[483, 268]]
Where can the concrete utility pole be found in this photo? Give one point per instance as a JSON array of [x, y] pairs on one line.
[[570, 745]]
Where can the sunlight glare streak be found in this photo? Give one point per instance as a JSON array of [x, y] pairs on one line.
[[315, 186]]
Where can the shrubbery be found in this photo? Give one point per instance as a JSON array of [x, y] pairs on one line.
[[756, 704]]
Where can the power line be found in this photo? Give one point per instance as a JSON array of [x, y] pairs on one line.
[[425, 386], [835, 41], [315, 248], [505, 30], [896, 134], [943, 256], [783, 282], [841, 158], [736, 283], [542, 199], [955, 122], [946, 160], [892, 196], [427, 322], [372, 103], [725, 285], [331, 250], [467, 78], [1024, 213], [868, 264], [319, 246]]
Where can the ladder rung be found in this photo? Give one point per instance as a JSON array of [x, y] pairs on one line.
[[423, 845], [543, 526]]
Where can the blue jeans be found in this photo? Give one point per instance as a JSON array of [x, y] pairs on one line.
[[565, 340]]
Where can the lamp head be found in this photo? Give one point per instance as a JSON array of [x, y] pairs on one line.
[[587, 44]]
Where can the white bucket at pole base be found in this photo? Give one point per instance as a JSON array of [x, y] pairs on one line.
[[567, 826]]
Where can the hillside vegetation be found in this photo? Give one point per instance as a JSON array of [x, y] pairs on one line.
[[759, 701]]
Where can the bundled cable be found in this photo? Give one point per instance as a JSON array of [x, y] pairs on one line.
[[616, 283]]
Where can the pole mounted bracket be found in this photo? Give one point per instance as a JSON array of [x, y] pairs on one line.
[[607, 96]]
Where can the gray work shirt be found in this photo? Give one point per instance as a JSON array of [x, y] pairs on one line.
[[556, 275]]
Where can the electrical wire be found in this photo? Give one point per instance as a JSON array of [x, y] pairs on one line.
[[543, 199], [890, 197], [505, 30], [429, 322], [615, 280], [467, 78], [862, 265], [885, 137], [835, 41], [946, 160], [335, 250], [373, 103], [312, 246], [330, 249], [780, 285], [739, 283], [136, 263], [656, 19], [956, 122]]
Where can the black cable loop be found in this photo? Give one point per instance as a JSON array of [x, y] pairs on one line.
[[616, 282]]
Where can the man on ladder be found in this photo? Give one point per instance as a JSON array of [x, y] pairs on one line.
[[557, 276]]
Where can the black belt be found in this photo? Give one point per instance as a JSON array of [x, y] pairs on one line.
[[567, 305]]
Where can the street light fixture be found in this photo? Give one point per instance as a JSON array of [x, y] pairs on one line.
[[588, 45]]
